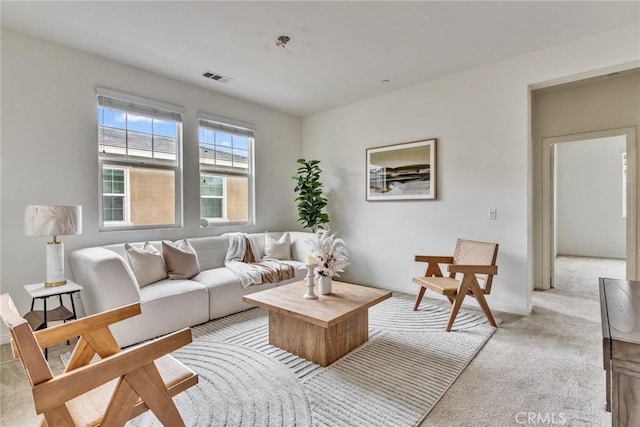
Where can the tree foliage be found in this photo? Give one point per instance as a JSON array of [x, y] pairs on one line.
[[310, 200]]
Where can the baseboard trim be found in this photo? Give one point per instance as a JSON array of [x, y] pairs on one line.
[[494, 306], [5, 338], [512, 309], [470, 302]]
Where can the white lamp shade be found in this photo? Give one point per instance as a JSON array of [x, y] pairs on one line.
[[52, 220]]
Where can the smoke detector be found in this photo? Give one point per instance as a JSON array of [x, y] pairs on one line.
[[282, 41], [215, 76]]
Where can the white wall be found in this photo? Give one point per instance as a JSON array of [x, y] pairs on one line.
[[609, 102], [49, 149], [482, 121], [589, 219]]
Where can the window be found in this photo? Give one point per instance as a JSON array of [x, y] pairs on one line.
[[226, 170], [114, 195], [212, 196], [139, 162]]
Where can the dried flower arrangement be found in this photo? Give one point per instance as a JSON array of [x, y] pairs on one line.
[[331, 253]]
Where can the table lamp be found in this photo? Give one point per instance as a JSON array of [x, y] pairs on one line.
[[53, 221]]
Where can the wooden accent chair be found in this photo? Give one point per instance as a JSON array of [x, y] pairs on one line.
[[118, 387], [472, 260]]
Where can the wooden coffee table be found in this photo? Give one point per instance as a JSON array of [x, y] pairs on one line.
[[321, 330]]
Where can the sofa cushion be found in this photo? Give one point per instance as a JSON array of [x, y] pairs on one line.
[[107, 279], [216, 276], [277, 248], [169, 288], [211, 251], [227, 299], [181, 259], [167, 305], [146, 262], [225, 291]]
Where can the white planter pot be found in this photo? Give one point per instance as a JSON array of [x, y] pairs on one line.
[[324, 285]]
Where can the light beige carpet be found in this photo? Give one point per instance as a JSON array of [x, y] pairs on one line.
[[547, 364]]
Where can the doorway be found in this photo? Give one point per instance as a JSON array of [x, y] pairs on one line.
[[589, 200]]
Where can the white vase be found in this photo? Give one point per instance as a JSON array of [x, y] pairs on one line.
[[324, 285]]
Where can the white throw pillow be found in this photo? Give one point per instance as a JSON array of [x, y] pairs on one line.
[[147, 263], [277, 248], [181, 259]]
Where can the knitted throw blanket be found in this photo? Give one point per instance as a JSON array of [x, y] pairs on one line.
[[244, 260]]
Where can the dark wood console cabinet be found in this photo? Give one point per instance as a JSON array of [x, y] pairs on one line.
[[620, 310]]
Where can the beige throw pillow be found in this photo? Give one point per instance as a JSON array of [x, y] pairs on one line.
[[146, 262], [277, 248], [181, 259]]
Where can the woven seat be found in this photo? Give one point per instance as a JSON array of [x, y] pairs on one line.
[[445, 285], [472, 263], [120, 386]]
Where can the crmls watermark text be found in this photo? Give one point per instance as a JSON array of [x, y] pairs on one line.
[[540, 418]]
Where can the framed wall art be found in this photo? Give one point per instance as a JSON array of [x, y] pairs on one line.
[[404, 171]]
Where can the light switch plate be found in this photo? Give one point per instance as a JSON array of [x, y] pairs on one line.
[[493, 213]]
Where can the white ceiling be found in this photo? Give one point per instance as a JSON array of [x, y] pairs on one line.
[[339, 51]]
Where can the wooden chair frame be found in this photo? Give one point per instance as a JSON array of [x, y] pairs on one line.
[[456, 290], [140, 386]]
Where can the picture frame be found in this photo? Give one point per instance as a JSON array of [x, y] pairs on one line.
[[405, 171]]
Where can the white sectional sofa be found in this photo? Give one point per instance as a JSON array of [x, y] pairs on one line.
[[168, 305]]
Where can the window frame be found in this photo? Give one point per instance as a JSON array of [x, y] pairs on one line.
[[152, 109], [235, 128], [223, 219], [125, 197]]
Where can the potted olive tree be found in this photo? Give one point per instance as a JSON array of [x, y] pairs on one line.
[[311, 203]]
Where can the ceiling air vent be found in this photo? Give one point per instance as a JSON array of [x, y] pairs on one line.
[[215, 76]]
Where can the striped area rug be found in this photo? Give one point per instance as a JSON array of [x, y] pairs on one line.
[[394, 379]]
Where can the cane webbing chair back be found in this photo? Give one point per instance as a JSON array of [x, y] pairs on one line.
[[471, 252], [471, 270]]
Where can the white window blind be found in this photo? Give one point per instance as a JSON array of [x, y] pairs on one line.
[[230, 126], [226, 170], [134, 104], [143, 137]]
